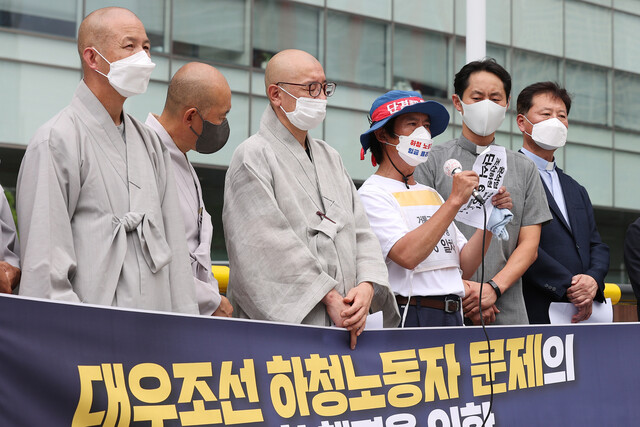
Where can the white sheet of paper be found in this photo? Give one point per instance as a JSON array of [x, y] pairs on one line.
[[374, 321], [561, 312], [491, 167]]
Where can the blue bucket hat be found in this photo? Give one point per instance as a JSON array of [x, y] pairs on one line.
[[398, 102]]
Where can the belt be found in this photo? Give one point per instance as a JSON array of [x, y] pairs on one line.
[[448, 303]]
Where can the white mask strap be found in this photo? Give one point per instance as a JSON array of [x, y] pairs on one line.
[[107, 61], [287, 92]]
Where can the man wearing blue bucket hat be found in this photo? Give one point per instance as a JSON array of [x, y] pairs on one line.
[[424, 250]]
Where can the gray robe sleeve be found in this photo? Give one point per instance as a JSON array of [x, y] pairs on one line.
[[9, 246], [47, 193]]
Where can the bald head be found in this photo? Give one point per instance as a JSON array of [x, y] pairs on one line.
[[196, 85], [102, 25], [290, 65]]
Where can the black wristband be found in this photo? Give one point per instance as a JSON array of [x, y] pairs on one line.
[[495, 288]]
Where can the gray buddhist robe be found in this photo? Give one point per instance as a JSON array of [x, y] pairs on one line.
[[197, 221], [99, 218], [284, 256]]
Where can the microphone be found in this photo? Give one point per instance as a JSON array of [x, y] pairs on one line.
[[452, 167]]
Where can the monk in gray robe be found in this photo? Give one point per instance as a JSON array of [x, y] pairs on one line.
[[194, 118], [97, 205], [299, 242], [9, 248]]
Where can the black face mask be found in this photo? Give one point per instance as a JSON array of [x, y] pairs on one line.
[[213, 137]]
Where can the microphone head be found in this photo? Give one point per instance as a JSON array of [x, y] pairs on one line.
[[450, 167]]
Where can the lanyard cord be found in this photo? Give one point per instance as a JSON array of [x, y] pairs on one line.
[[405, 178]]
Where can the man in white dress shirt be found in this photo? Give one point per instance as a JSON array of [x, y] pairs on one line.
[[194, 118]]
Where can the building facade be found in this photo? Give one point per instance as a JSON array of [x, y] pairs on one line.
[[367, 47]]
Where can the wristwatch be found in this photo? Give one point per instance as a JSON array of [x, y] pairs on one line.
[[496, 288]]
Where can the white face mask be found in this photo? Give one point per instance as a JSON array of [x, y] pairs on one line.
[[483, 118], [129, 76], [309, 112], [414, 148], [549, 134]]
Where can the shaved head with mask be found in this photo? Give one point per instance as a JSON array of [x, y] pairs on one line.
[[299, 243], [194, 118], [285, 76], [107, 36], [109, 231]]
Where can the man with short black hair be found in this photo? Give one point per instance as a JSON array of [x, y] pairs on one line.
[[572, 260], [482, 90]]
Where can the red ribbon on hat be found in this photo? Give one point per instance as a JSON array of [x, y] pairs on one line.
[[392, 107], [373, 159]]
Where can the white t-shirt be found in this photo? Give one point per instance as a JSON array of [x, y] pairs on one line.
[[383, 199]]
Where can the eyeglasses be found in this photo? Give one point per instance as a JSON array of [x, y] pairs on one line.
[[315, 88]]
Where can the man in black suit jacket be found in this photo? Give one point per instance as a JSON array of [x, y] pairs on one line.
[[572, 260]]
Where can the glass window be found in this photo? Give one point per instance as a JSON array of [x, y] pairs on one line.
[[600, 2], [498, 53], [627, 141], [632, 6], [588, 33], [626, 49], [365, 65], [626, 109], [420, 62], [258, 106], [528, 68], [593, 168], [589, 135], [380, 9], [31, 48], [589, 87], [50, 17], [343, 129], [214, 30], [150, 12], [432, 14], [626, 178], [537, 25], [151, 102], [354, 98], [283, 25], [35, 94]]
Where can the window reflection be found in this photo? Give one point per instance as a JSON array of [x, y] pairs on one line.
[[281, 25], [529, 68], [211, 30], [419, 62], [590, 90], [627, 96], [588, 33], [50, 17], [357, 49], [150, 12]]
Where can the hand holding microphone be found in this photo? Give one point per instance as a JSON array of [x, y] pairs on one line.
[[469, 179]]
